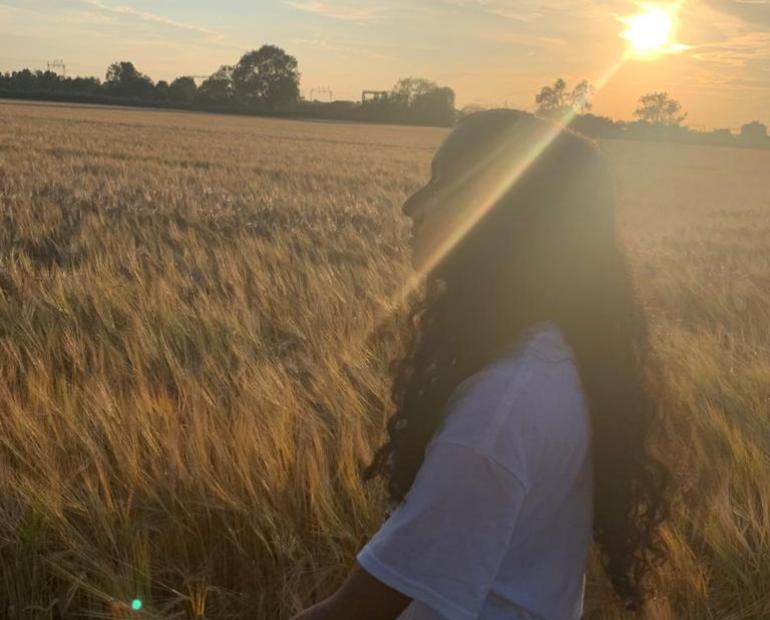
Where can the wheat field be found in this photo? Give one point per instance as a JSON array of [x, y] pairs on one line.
[[196, 316]]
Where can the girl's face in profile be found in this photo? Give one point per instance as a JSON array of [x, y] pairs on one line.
[[438, 209], [462, 187], [423, 207]]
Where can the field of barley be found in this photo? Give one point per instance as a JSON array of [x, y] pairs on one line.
[[196, 316]]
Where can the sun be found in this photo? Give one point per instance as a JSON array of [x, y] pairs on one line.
[[652, 32]]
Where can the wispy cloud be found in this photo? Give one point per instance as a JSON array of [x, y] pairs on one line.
[[729, 35], [340, 48], [525, 11], [738, 51], [520, 11], [756, 12], [344, 11], [154, 18]]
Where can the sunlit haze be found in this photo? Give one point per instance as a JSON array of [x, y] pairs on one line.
[[712, 55]]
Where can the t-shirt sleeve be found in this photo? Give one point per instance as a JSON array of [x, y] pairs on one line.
[[443, 546]]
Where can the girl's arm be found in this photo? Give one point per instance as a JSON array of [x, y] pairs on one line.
[[361, 596]]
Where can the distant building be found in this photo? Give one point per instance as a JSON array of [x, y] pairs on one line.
[[374, 95]]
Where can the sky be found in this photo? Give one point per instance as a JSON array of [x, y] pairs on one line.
[[491, 52]]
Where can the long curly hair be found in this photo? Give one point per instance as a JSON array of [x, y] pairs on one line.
[[543, 246]]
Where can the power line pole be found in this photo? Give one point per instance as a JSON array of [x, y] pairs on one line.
[[53, 65], [323, 90]]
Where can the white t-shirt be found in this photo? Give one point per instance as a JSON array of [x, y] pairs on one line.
[[498, 522]]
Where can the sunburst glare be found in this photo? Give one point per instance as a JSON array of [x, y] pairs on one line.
[[652, 32]]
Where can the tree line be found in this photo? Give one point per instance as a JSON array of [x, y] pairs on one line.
[[267, 81], [264, 81], [658, 116]]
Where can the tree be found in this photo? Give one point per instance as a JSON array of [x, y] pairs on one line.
[[659, 109], [218, 88], [23, 80], [47, 81], [556, 101], [182, 90], [124, 80], [754, 133], [161, 90], [436, 106], [422, 101], [85, 84], [267, 78], [406, 90], [580, 98]]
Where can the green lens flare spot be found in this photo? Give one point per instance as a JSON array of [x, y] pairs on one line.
[[136, 604]]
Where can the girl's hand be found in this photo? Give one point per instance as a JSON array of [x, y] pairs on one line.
[[360, 597]]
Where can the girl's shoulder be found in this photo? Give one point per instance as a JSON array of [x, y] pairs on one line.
[[521, 404]]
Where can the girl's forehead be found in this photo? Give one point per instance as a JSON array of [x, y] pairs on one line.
[[468, 142]]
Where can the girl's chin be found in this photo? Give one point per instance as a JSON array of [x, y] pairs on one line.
[[419, 260], [423, 252], [415, 260]]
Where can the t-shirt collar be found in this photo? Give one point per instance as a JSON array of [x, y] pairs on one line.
[[543, 338]]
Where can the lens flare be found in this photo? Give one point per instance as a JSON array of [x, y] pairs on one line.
[[652, 32]]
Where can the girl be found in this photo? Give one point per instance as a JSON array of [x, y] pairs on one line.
[[524, 403]]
